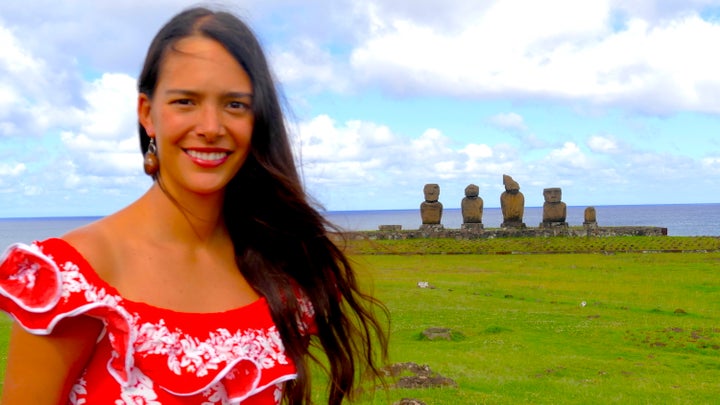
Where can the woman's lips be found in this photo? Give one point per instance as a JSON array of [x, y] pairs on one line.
[[207, 159]]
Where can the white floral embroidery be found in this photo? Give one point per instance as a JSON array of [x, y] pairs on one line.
[[74, 282], [139, 392], [277, 394], [26, 273], [189, 354], [216, 395], [78, 390]]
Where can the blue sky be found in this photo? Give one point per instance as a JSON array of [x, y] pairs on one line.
[[616, 102]]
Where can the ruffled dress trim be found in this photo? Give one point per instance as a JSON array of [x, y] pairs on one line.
[[184, 353]]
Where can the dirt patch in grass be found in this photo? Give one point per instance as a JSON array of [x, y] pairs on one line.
[[413, 375], [676, 338]]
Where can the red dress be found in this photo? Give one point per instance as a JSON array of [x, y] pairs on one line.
[[148, 355]]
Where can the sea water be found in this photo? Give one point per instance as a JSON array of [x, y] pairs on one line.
[[680, 220]]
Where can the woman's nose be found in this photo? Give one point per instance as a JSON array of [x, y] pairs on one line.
[[210, 123]]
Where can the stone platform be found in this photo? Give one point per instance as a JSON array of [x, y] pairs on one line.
[[394, 232]]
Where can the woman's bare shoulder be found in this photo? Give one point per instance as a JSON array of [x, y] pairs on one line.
[[99, 243]]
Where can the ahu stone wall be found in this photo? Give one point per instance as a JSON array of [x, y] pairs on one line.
[[388, 232]]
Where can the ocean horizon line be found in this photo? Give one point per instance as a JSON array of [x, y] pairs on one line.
[[80, 217]]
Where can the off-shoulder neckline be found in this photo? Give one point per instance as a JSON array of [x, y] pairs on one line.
[[88, 270]]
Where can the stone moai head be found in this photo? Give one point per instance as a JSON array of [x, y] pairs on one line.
[[511, 186], [432, 192], [472, 191], [552, 195]]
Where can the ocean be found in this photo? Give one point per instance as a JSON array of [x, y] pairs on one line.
[[679, 219]]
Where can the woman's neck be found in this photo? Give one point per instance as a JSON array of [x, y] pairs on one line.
[[186, 216]]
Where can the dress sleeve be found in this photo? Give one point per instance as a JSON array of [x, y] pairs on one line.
[[30, 286], [42, 283]]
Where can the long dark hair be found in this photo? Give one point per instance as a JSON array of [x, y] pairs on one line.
[[281, 241]]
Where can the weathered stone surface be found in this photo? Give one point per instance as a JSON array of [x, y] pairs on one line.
[[437, 231], [554, 225], [431, 209], [512, 204], [513, 224], [423, 376], [390, 228], [472, 227], [437, 334], [472, 205], [431, 228], [554, 210], [590, 216], [409, 401]]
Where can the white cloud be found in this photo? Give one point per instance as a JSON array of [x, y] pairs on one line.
[[11, 169], [323, 141], [32, 190], [17, 61], [603, 144], [477, 152], [431, 144], [559, 49], [508, 121], [305, 64], [106, 143], [31, 94], [360, 157], [569, 156], [349, 154], [111, 101], [711, 164]]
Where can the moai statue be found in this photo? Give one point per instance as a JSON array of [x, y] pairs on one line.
[[512, 203], [590, 218], [554, 210], [431, 208], [472, 208]]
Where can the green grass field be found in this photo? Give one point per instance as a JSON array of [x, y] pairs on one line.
[[648, 332]]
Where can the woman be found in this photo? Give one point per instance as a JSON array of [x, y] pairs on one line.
[[208, 288]]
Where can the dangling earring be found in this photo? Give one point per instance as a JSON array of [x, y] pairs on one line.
[[151, 164]]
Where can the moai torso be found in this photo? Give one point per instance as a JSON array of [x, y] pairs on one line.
[[431, 208], [472, 205], [590, 215], [554, 210], [512, 201]]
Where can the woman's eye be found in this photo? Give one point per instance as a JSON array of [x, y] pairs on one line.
[[238, 105]]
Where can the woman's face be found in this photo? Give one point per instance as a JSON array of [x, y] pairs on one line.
[[200, 116]]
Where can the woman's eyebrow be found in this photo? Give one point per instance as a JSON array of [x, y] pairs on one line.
[[181, 92], [238, 94], [230, 94]]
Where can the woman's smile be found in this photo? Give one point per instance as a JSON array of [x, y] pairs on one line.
[[207, 158]]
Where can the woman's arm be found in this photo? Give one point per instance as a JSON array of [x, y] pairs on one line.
[[42, 369]]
